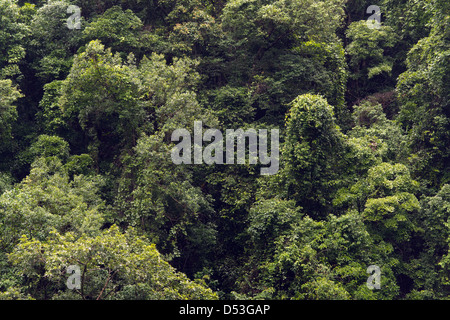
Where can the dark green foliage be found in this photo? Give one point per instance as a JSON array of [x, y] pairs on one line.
[[52, 43], [86, 175], [116, 29], [8, 112], [13, 33], [425, 99]]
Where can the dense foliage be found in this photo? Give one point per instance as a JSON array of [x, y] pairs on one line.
[[88, 104]]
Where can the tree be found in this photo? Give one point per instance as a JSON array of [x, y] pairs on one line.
[[47, 199], [154, 193], [8, 113], [50, 146], [424, 99], [322, 260], [50, 117], [158, 196], [369, 60], [12, 34], [411, 21], [169, 90], [52, 44], [283, 49], [429, 264], [114, 265], [100, 86], [384, 137], [192, 29], [311, 152], [116, 29]]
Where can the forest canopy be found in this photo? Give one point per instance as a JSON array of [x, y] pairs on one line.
[[351, 106]]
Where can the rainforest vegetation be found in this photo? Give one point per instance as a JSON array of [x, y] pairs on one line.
[[91, 92]]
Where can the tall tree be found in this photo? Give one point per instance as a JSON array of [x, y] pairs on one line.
[[12, 39], [311, 152], [113, 265]]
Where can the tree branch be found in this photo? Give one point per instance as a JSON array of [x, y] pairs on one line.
[[106, 284]]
